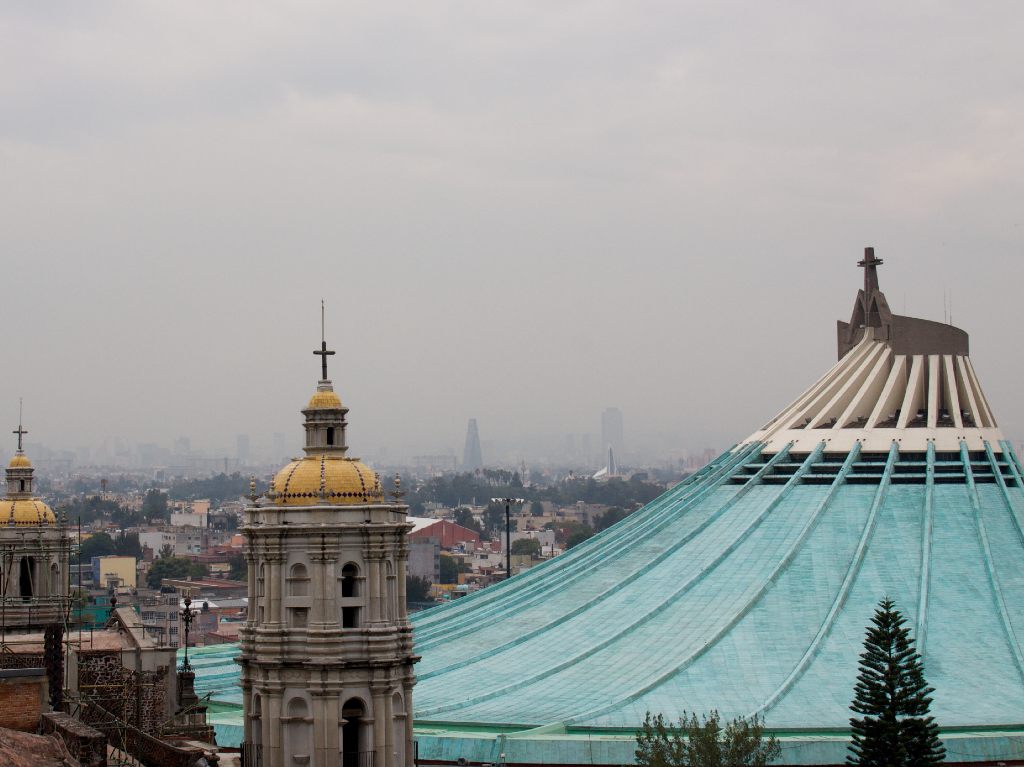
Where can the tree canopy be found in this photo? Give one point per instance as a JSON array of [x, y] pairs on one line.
[[704, 742], [529, 546], [893, 699], [174, 567]]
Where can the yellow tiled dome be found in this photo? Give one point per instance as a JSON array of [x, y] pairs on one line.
[[20, 461], [322, 400], [25, 511], [328, 479]]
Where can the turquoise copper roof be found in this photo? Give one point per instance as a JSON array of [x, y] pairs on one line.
[[748, 587]]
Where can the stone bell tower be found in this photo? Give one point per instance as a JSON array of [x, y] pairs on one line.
[[327, 658], [34, 552]]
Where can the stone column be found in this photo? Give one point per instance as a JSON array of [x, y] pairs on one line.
[[401, 560], [407, 702], [273, 753], [373, 578], [389, 732], [380, 724], [321, 757], [253, 609]]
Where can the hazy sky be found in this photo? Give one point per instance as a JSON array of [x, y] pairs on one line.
[[522, 212]]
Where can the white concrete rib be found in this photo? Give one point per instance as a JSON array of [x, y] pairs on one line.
[[870, 385]]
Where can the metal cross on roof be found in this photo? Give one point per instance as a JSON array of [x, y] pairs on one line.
[[19, 431], [870, 266], [323, 352]]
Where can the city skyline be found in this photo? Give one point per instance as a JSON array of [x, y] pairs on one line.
[[174, 216]]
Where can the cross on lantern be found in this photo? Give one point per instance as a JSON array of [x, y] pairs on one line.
[[323, 352]]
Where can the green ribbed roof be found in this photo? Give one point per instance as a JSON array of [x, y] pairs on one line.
[[747, 589]]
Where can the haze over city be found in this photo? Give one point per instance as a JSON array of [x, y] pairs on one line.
[[522, 213]]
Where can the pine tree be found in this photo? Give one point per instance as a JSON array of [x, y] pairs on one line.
[[893, 698]]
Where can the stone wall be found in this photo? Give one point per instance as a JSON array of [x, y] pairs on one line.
[[22, 698], [85, 744]]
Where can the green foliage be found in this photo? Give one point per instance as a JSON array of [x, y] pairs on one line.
[[465, 518], [416, 589], [239, 567], [704, 742], [450, 568], [537, 509], [127, 545], [97, 545], [573, 533], [88, 509], [154, 506], [609, 518], [166, 551], [893, 698], [174, 567], [529, 546], [494, 519], [222, 487]]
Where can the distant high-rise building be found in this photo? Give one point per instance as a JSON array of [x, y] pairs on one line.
[[472, 458], [612, 435], [277, 446], [242, 449]]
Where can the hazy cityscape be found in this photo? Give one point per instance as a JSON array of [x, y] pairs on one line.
[[511, 384]]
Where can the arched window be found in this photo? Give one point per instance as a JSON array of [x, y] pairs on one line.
[[26, 571], [350, 592], [330, 435], [256, 720], [349, 580], [298, 581], [352, 714], [298, 733]]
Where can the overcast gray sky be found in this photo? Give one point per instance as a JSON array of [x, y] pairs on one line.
[[522, 212]]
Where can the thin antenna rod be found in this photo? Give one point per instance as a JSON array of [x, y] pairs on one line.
[[323, 334]]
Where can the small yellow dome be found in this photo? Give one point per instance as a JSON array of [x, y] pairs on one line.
[[323, 400], [20, 461], [24, 512], [327, 479]]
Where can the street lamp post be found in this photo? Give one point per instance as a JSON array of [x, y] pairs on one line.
[[508, 530], [186, 618]]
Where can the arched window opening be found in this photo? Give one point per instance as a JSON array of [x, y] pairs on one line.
[[352, 714], [256, 724], [298, 581], [330, 435], [298, 733], [21, 485], [54, 580], [349, 581], [349, 590], [25, 571]]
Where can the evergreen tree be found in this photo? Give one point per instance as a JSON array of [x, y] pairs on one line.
[[891, 695]]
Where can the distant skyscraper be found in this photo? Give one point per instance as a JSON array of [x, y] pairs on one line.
[[472, 459], [611, 431], [242, 449]]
